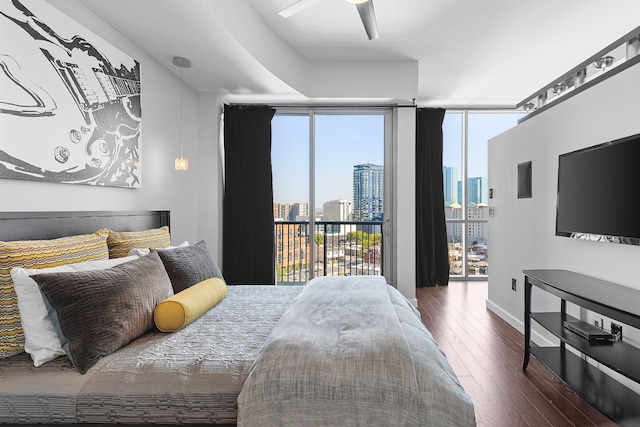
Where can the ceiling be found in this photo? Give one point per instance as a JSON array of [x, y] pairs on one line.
[[444, 53]]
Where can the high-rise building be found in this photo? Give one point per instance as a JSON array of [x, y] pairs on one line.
[[291, 211], [281, 211], [299, 210], [368, 192], [336, 210], [477, 190], [450, 183]]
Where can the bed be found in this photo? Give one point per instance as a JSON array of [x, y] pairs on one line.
[[339, 351]]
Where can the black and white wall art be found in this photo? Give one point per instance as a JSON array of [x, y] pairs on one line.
[[69, 101]]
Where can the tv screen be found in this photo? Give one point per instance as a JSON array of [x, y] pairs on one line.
[[597, 189]]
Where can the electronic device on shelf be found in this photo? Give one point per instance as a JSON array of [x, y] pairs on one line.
[[589, 332]]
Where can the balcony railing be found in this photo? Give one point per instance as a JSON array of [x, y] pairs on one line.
[[353, 248]]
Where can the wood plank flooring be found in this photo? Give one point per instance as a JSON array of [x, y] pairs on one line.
[[486, 354]]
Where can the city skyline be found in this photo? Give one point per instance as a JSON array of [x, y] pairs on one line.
[[345, 140], [367, 203], [342, 141]]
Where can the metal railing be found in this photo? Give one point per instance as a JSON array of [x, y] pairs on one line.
[[342, 248]]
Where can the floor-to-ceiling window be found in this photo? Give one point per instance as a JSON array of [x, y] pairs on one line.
[[466, 192], [329, 184]]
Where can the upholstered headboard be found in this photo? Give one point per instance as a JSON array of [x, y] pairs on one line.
[[51, 225]]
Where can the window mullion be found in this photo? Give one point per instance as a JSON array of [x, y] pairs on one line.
[[312, 197]]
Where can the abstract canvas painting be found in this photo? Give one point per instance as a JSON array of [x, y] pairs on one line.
[[69, 101]]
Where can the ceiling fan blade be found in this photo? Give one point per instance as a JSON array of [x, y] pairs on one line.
[[296, 7], [368, 16]]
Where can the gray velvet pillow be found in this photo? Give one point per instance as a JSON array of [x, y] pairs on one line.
[[189, 265], [97, 312]]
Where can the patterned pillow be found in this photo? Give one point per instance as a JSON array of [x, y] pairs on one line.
[[40, 336], [189, 265], [121, 242], [38, 254], [97, 312]]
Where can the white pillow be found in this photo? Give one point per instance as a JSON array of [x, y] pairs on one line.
[[144, 251], [40, 336]]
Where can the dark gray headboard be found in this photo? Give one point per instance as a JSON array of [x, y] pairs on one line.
[[51, 225]]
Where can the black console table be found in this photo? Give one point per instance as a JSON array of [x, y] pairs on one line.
[[616, 302]]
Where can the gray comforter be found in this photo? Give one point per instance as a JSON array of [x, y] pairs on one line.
[[190, 376], [352, 351]]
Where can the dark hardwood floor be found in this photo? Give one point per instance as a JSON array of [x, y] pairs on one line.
[[486, 354]]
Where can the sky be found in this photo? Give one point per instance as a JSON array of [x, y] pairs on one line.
[[482, 127], [343, 141]]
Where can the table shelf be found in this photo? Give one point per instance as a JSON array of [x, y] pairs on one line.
[[614, 399]]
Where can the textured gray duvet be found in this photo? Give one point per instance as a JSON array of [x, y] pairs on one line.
[[190, 376], [352, 351]]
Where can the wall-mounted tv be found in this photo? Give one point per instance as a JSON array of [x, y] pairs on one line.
[[598, 188]]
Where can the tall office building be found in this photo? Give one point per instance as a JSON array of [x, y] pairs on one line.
[[451, 184], [477, 190], [291, 211], [336, 210], [368, 192], [299, 210], [281, 211]]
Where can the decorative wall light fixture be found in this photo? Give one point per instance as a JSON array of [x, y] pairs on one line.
[[182, 163], [559, 88], [528, 107], [604, 62], [617, 57]]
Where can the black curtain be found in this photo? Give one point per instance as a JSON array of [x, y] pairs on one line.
[[432, 254], [248, 241]]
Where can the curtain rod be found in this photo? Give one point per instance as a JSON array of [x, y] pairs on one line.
[[344, 107], [381, 106]]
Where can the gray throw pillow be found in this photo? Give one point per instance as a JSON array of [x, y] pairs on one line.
[[189, 265], [97, 312]]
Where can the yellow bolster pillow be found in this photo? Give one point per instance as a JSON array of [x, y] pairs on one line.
[[179, 310]]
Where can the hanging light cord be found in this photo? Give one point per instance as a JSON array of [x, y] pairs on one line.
[[181, 124]]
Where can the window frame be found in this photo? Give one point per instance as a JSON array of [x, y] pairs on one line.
[[388, 114]]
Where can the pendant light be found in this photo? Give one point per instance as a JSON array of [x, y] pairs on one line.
[[182, 163]]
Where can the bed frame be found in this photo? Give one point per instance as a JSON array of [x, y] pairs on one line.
[[51, 225]]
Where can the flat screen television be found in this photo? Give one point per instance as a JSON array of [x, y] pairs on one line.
[[598, 189]]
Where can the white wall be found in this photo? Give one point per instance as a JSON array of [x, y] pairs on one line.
[[522, 233], [162, 186], [194, 197]]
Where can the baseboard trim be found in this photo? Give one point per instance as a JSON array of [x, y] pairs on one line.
[[517, 324]]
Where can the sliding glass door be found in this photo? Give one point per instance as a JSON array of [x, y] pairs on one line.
[[329, 169]]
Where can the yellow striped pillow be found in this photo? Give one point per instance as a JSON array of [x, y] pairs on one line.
[[121, 242], [38, 254]]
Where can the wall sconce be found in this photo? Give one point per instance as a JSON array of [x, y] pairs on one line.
[[181, 163]]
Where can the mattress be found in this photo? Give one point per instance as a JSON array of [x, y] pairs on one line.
[[190, 376]]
